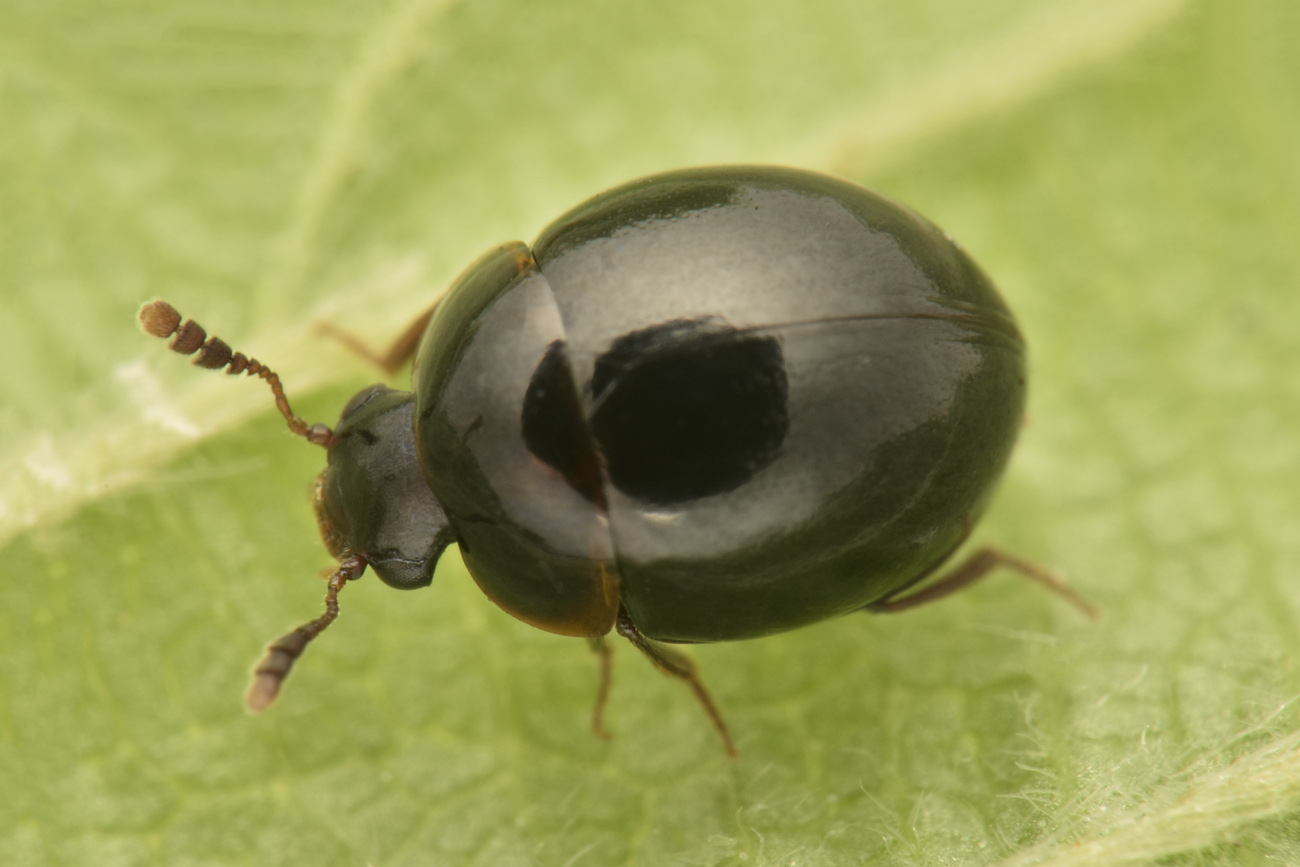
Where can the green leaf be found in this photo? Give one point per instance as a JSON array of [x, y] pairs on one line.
[[1126, 171]]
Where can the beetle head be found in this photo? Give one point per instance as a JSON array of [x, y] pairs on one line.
[[372, 503], [372, 500]]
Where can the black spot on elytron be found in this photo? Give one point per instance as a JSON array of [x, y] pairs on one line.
[[688, 409], [553, 426]]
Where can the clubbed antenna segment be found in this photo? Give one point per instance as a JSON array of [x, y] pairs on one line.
[[188, 338]]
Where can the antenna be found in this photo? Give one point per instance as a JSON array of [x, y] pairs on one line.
[[189, 338], [282, 653]]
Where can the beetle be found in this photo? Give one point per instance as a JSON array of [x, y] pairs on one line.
[[707, 405]]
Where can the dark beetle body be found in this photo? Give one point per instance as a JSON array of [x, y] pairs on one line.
[[733, 400]]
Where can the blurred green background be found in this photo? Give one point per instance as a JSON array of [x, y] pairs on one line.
[[1127, 170]]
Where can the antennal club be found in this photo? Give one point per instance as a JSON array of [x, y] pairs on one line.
[[189, 338]]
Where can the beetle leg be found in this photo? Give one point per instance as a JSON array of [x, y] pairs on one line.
[[605, 653], [972, 569], [678, 665], [399, 353], [281, 654]]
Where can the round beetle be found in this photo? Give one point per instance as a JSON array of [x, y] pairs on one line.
[[707, 405]]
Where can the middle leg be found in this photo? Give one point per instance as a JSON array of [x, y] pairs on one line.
[[678, 665]]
